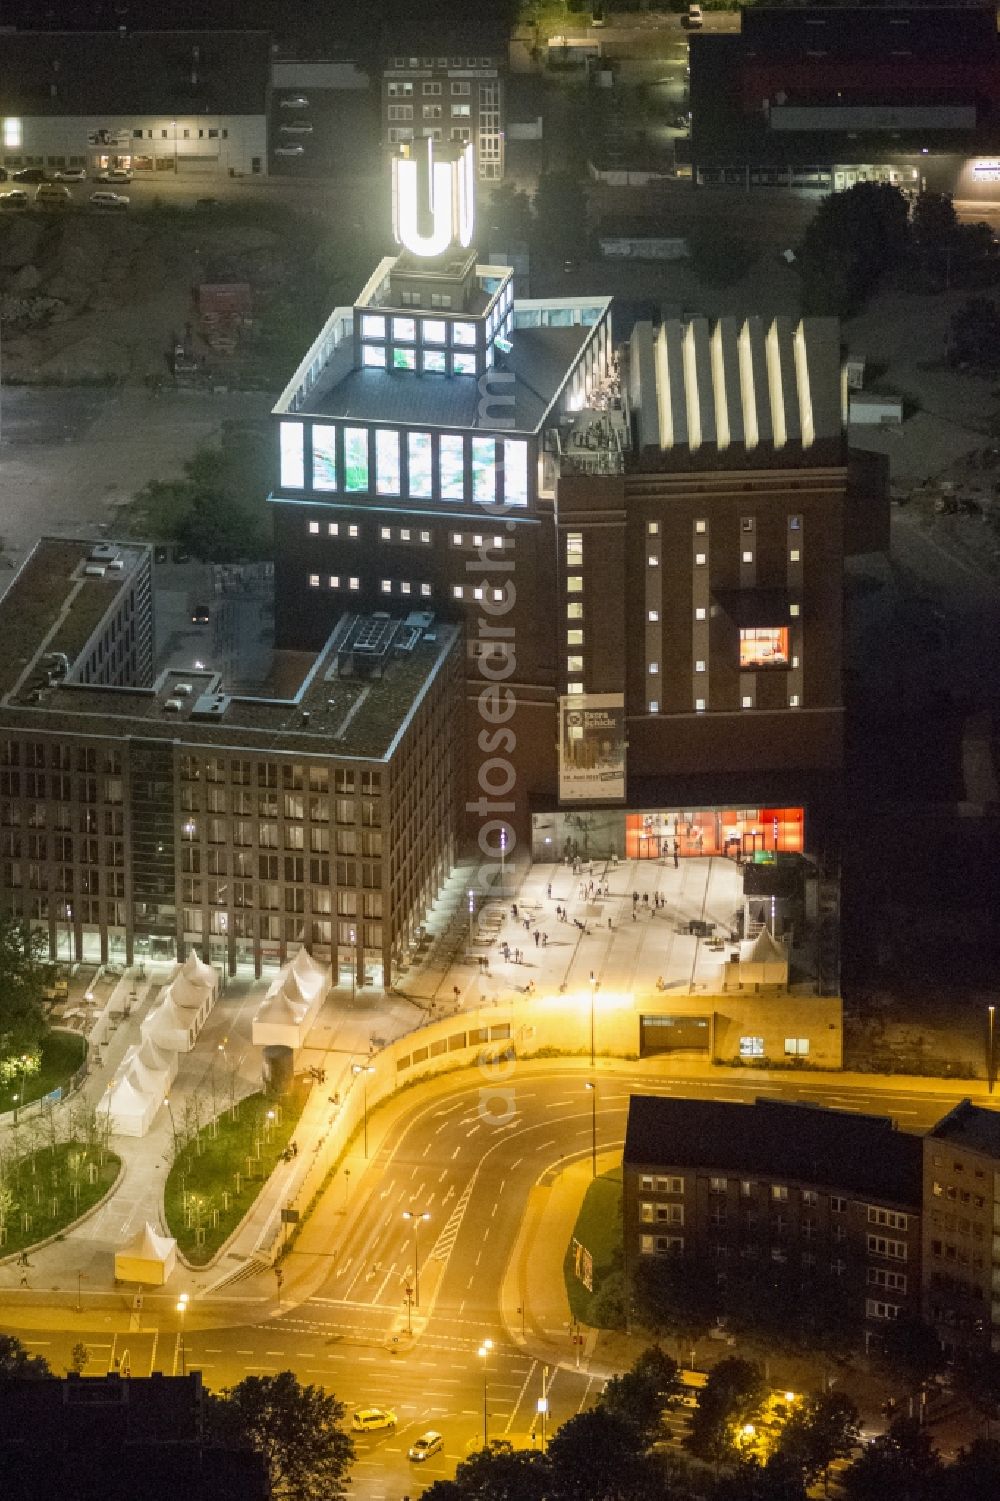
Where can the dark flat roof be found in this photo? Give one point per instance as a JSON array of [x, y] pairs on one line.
[[854, 30], [969, 1125], [104, 74], [540, 361], [861, 1154]]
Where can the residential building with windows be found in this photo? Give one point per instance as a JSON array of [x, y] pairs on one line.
[[962, 1228], [147, 102], [815, 1202], [144, 812], [448, 89]]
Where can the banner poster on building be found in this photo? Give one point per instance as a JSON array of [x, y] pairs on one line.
[[592, 748], [109, 138], [583, 1265]]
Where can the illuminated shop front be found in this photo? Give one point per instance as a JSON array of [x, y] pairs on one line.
[[752, 834]]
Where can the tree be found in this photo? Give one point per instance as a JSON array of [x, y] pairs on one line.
[[498, 1473], [933, 221], [22, 979], [975, 334], [821, 1429], [214, 508], [295, 1427], [560, 206], [901, 1465], [599, 1456], [640, 1395], [975, 1475], [979, 1378], [510, 215], [778, 1480], [731, 1398], [854, 240], [676, 1294], [17, 1363], [79, 1356]]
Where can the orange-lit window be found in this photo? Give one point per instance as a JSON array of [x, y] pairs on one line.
[[765, 646]]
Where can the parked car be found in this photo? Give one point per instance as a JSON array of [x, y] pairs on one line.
[[295, 101], [52, 195], [29, 174], [427, 1444], [106, 199], [207, 205], [694, 18], [289, 150], [301, 128], [113, 174], [16, 198], [201, 615], [70, 174]]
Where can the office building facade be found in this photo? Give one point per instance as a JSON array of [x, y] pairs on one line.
[[962, 1229]]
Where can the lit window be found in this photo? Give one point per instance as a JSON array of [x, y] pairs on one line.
[[574, 584], [463, 364], [334, 581], [653, 668], [352, 531], [451, 467], [404, 534], [793, 556], [764, 646], [574, 610], [700, 613], [404, 588], [701, 527], [372, 326], [574, 549], [699, 706], [747, 523], [387, 464], [699, 558], [574, 664], [314, 528], [795, 661], [498, 542], [456, 539], [332, 528], [386, 586], [404, 359], [794, 523], [291, 443], [12, 133], [385, 533], [499, 595], [653, 528], [433, 330], [356, 459], [425, 591], [653, 615], [373, 354], [464, 334], [793, 700], [574, 687], [425, 536], [748, 556], [404, 329], [324, 471], [434, 362], [797, 1047], [699, 666], [653, 560], [354, 583], [314, 581], [654, 706], [456, 591], [747, 701], [574, 638], [793, 610]]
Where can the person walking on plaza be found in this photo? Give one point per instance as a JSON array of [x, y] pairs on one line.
[[548, 890], [538, 938]]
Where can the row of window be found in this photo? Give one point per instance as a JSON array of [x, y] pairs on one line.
[[442, 62], [429, 111], [399, 133], [427, 466], [747, 524]]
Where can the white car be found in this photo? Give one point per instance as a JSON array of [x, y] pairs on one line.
[[295, 101], [107, 199], [70, 174], [301, 129], [113, 174], [295, 150], [694, 18], [427, 1444]]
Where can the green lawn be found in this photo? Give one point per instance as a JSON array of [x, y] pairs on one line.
[[205, 1170], [53, 1189], [599, 1228], [62, 1055]]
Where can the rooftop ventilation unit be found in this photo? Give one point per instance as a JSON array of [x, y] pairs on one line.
[[210, 706], [103, 552], [173, 705], [94, 571], [183, 690]]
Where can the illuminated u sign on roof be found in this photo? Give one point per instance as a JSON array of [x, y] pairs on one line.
[[433, 200]]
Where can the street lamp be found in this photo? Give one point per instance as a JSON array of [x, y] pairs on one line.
[[593, 1125], [182, 1303], [364, 1069], [472, 913], [415, 1217], [484, 1351], [594, 982], [503, 863], [990, 1046]]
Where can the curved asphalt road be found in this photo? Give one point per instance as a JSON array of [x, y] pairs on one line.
[[468, 1159]]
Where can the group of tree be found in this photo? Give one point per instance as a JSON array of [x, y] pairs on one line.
[[870, 235], [216, 510], [552, 222], [22, 982]]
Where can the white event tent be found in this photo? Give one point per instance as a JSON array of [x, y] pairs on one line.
[[765, 963], [169, 1027], [290, 1006], [148, 1258], [129, 1108]]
